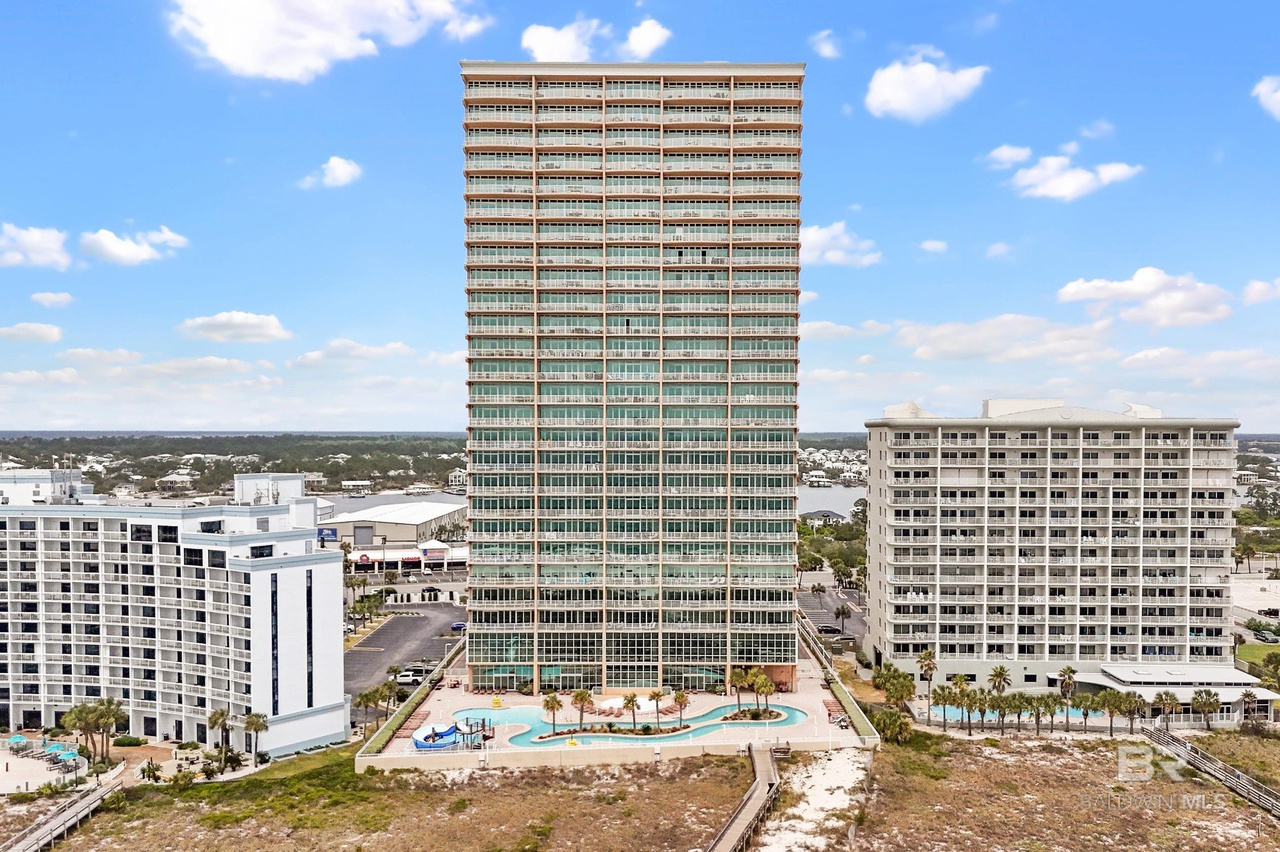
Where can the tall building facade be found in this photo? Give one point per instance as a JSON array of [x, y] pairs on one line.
[[174, 609], [1039, 536], [633, 284]]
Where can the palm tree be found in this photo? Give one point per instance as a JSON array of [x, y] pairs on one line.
[[218, 721], [842, 612], [1085, 704], [1052, 704], [1133, 706], [552, 704], [111, 715], [1249, 703], [967, 701], [739, 681], [1067, 688], [964, 700], [766, 687], [393, 670], [581, 698], [76, 719], [927, 662], [982, 703], [1036, 704], [1205, 702], [999, 680], [1168, 704], [1017, 705], [892, 726], [1000, 705], [946, 697], [681, 701], [631, 702], [1248, 551], [819, 590], [255, 723], [753, 681], [1108, 701], [656, 696]]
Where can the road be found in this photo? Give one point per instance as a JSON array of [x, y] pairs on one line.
[[819, 608], [401, 639]]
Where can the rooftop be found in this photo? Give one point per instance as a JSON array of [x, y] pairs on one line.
[[1046, 412], [415, 512]]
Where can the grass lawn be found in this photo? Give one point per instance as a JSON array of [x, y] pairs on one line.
[[1253, 652], [1258, 756], [318, 802], [936, 793], [860, 689]]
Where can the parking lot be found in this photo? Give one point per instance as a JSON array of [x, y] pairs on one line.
[[820, 608], [400, 640]]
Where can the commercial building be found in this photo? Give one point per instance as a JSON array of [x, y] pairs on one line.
[[1039, 536], [396, 536], [632, 280], [177, 610]]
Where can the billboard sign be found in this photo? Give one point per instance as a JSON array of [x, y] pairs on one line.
[[327, 533]]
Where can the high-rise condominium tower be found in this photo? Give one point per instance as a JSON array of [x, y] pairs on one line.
[[632, 276], [1039, 536]]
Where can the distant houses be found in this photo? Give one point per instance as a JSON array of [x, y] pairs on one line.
[[822, 518]]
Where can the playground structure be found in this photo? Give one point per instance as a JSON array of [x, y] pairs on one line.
[[466, 733]]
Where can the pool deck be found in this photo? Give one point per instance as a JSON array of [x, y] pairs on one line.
[[812, 733]]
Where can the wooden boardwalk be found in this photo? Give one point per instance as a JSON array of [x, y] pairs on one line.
[[58, 823], [742, 824]]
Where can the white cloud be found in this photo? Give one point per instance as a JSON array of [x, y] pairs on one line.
[[1055, 177], [1009, 337], [343, 349], [999, 250], [828, 330], [101, 356], [570, 43], [1155, 298], [1256, 292], [1097, 129], [444, 359], [298, 41], [807, 296], [130, 251], [33, 247], [831, 244], [1268, 94], [52, 300], [1252, 365], [986, 23], [934, 246], [1070, 148], [31, 332], [236, 327], [1007, 156], [917, 89], [336, 171], [644, 38], [865, 359], [192, 368], [825, 44], [64, 376]]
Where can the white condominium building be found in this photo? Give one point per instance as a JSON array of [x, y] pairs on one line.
[[632, 278], [176, 609], [1039, 535]]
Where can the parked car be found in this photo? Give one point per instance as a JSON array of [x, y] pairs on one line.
[[413, 578], [829, 630], [1269, 613], [458, 625], [408, 678], [1266, 636], [348, 628]]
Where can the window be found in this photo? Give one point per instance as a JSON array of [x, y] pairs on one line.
[[261, 551]]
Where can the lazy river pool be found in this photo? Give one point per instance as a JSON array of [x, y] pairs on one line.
[[530, 717]]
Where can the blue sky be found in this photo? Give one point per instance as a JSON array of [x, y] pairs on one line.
[[247, 213]]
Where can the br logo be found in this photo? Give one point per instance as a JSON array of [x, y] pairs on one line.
[[1139, 762]]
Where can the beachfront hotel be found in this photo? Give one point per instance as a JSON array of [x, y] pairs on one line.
[[632, 280], [176, 609], [1039, 535]]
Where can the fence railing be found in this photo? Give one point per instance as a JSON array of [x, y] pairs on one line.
[[1233, 779], [859, 720], [60, 820], [715, 844], [746, 819]]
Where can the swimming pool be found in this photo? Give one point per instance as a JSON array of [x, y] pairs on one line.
[[531, 718]]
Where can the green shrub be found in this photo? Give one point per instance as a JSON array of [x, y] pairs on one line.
[[189, 745], [263, 757], [21, 798], [57, 732], [646, 728], [459, 805], [209, 770], [128, 741], [182, 779]]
